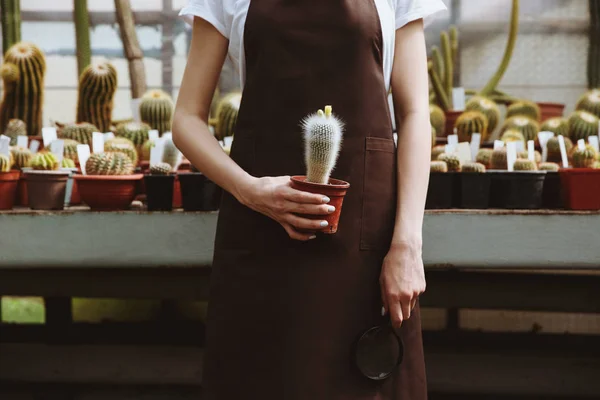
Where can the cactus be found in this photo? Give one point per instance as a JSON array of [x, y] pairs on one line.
[[14, 129], [44, 161], [21, 156], [523, 164], [70, 148], [161, 169], [436, 151], [111, 163], [471, 122], [134, 131], [584, 158], [5, 163], [474, 167], [582, 124], [553, 147], [557, 125], [484, 156], [528, 127], [524, 108], [448, 65], [512, 135], [146, 149], [437, 118], [97, 87], [438, 88], [590, 102], [10, 11], [537, 157], [549, 166], [82, 34], [67, 163], [498, 159], [323, 138], [156, 110], [81, 133], [227, 112], [122, 145], [488, 107], [23, 74], [438, 166], [171, 154], [452, 160]]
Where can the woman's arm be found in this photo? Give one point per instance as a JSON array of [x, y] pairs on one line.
[[403, 278]]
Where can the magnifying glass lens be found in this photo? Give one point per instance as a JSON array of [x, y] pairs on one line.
[[379, 351]]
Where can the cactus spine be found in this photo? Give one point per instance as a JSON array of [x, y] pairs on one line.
[[471, 122], [474, 167], [122, 145], [5, 163], [488, 107], [557, 125], [484, 156], [227, 112], [523, 164], [67, 163], [452, 160], [438, 166], [524, 108], [109, 164], [44, 161], [323, 139], [549, 166], [81, 133], [23, 75], [582, 124], [499, 160], [584, 158], [21, 156], [11, 23], [97, 87], [437, 118], [82, 34], [528, 127], [160, 169], [14, 129], [590, 102], [512, 135], [134, 131], [156, 110]]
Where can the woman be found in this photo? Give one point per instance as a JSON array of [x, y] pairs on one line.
[[287, 306]]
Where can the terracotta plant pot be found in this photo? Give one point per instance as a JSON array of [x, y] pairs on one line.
[[475, 190], [75, 197], [8, 189], [517, 190], [451, 117], [335, 190], [581, 188], [46, 190], [198, 193], [22, 199], [550, 110], [440, 191], [144, 166], [107, 192], [159, 192], [552, 196]]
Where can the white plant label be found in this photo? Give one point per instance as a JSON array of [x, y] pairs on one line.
[[34, 146], [581, 144], [97, 142], [464, 152], [511, 155], [4, 145], [451, 148], [520, 146], [22, 141], [593, 140], [531, 150], [156, 153], [108, 136], [453, 139], [228, 140], [135, 109], [498, 144], [57, 148], [543, 137], [563, 151], [49, 135], [152, 134], [458, 99], [83, 153]]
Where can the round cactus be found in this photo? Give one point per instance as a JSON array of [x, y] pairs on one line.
[[97, 88], [590, 102], [484, 156], [536, 156], [111, 163], [81, 133], [527, 126], [15, 128], [156, 110], [135, 131], [471, 122], [438, 166], [160, 169], [584, 158], [523, 164], [226, 115], [21, 156], [549, 166], [5, 163], [67, 163], [582, 124], [146, 149], [44, 161], [474, 167], [488, 107], [436, 151], [499, 160], [452, 160], [557, 125], [512, 135], [524, 108], [437, 117], [553, 147], [122, 145]]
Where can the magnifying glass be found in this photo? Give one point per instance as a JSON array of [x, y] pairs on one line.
[[379, 351]]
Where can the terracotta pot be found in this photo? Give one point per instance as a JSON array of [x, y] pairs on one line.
[[75, 197], [8, 189], [46, 189], [107, 192], [159, 192], [335, 190], [198, 193], [580, 188], [451, 117], [550, 110], [22, 199]]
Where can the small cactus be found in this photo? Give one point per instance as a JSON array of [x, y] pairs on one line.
[[21, 156], [323, 138], [5, 163], [122, 145], [134, 131], [226, 115], [523, 164], [81, 133], [524, 108], [537, 157], [436, 151], [438, 167], [553, 147], [512, 135], [582, 124], [111, 163], [499, 160], [437, 118], [549, 166], [171, 154], [474, 167], [488, 107], [471, 122], [584, 158], [161, 169], [67, 163], [156, 110], [557, 125], [590, 102], [527, 126], [484, 156], [70, 148], [14, 129], [97, 88], [44, 161], [452, 160]]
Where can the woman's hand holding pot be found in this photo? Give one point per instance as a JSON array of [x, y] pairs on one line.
[[275, 198]]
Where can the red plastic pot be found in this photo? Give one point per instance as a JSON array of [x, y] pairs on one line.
[[107, 192], [451, 117], [8, 189], [335, 190], [581, 188], [551, 110], [46, 189]]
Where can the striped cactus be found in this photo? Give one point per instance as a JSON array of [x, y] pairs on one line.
[[156, 110], [109, 164], [81, 133], [471, 122], [97, 87]]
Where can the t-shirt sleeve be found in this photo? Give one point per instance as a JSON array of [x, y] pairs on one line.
[[212, 11], [412, 10]]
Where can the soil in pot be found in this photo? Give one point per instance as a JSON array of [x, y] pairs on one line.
[[107, 192], [198, 193], [159, 192], [552, 196], [440, 190], [517, 190], [475, 190], [580, 188], [451, 117], [46, 190], [8, 189], [335, 190]]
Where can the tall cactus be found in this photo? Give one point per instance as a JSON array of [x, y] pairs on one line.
[[10, 14], [593, 68], [23, 74], [156, 109], [97, 87], [82, 34], [442, 67]]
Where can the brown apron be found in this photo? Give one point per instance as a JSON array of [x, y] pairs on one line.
[[284, 315]]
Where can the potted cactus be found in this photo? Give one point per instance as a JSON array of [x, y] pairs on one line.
[[475, 186], [519, 189], [109, 183], [581, 184], [198, 193], [9, 180], [46, 182], [159, 185], [454, 167], [323, 139], [439, 192], [21, 158], [551, 194]]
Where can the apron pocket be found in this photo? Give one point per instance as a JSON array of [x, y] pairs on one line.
[[379, 199]]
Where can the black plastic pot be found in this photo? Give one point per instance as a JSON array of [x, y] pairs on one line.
[[552, 196], [517, 190], [440, 191], [475, 190], [198, 193], [159, 192]]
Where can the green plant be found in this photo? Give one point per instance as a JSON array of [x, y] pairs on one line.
[[23, 75], [582, 124], [14, 129], [70, 147], [499, 160], [437, 118], [21, 157], [156, 110], [512, 135], [471, 122], [474, 167], [81, 132], [5, 163], [44, 161], [226, 115], [122, 145], [82, 34], [590, 102], [438, 166], [323, 138], [10, 14], [97, 88], [524, 108], [528, 127], [452, 160], [487, 107], [111, 163], [584, 158], [537, 157], [523, 164], [137, 132], [161, 169], [436, 151], [553, 147], [67, 163], [484, 156], [549, 166], [557, 125]]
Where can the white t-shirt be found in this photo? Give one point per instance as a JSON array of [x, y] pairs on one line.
[[229, 17]]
